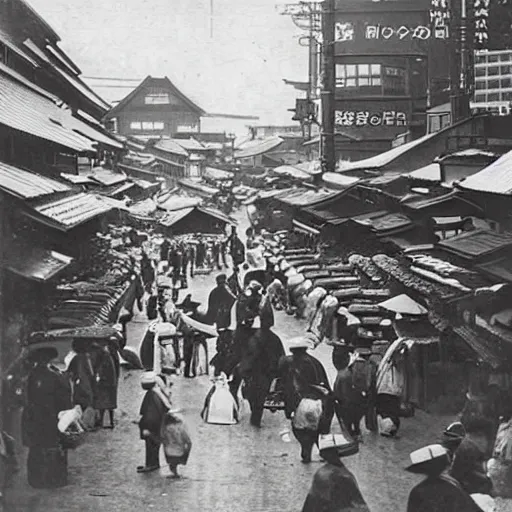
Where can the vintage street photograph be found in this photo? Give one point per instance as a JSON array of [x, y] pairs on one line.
[[256, 255]]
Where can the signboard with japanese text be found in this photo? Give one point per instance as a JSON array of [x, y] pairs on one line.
[[392, 32], [481, 23], [344, 118]]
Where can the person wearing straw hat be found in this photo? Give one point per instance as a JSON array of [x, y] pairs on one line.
[[334, 487], [152, 411], [438, 492], [307, 396]]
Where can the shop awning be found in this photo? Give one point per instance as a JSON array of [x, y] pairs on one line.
[[23, 109], [69, 212], [35, 263], [304, 228]]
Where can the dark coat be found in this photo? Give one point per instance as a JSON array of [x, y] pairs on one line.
[[440, 494], [468, 467], [152, 412], [81, 372], [48, 393], [105, 384], [220, 303], [299, 373], [164, 250], [334, 489]]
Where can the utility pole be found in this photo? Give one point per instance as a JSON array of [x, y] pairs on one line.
[[328, 88]]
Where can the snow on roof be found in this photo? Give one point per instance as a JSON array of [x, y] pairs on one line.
[[431, 172], [334, 180], [383, 159], [495, 178]]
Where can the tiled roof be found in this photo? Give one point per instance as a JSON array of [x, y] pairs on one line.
[[77, 179], [495, 178], [170, 146], [91, 133], [23, 109], [199, 187], [386, 221], [293, 172], [173, 217], [476, 243], [336, 180], [305, 197], [9, 43], [214, 212], [35, 263], [71, 211], [217, 174], [258, 147], [175, 202], [190, 145], [27, 185]]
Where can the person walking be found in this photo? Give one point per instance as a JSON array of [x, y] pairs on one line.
[[236, 248], [233, 282], [223, 251], [164, 250], [48, 393], [306, 396], [334, 487], [105, 388], [153, 409], [216, 254], [147, 272], [438, 492]]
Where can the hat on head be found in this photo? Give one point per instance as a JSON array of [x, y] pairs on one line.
[[148, 378], [342, 444], [433, 458], [363, 351], [300, 343], [221, 278], [455, 430]]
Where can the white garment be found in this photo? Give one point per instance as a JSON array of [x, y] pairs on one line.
[[220, 407], [390, 376]]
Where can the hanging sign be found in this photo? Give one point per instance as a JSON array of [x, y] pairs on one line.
[[366, 118], [345, 32], [481, 17]]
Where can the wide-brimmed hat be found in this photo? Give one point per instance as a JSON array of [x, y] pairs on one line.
[[433, 458], [342, 444]]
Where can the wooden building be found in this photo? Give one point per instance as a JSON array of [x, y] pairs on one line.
[[388, 61], [155, 108]]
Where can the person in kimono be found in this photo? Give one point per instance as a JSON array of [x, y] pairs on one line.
[[176, 441], [48, 393], [439, 491], [164, 250], [334, 487], [153, 409], [105, 385], [147, 272], [306, 396]]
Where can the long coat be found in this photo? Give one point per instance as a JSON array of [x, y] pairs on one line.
[[48, 393], [220, 303], [105, 385], [440, 494], [334, 489], [152, 412], [81, 371]]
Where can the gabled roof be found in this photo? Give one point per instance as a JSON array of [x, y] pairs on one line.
[[476, 243], [165, 83], [170, 146], [430, 172], [257, 147], [495, 178]]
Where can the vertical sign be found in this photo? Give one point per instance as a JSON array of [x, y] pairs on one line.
[[481, 17], [440, 18]]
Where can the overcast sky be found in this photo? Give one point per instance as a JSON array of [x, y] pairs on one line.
[[238, 70]]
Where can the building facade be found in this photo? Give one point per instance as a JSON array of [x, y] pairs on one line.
[[388, 69], [154, 109]]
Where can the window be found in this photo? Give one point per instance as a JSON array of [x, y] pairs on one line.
[[506, 82], [157, 98], [493, 96], [493, 84], [493, 70], [505, 70], [394, 81], [147, 125], [358, 75], [480, 71], [186, 128], [480, 85]]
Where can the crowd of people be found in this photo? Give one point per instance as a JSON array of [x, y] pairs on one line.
[[455, 467]]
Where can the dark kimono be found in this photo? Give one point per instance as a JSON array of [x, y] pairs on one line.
[[299, 374], [81, 371], [220, 303], [440, 494], [48, 393], [105, 388], [334, 489], [468, 468], [152, 412]]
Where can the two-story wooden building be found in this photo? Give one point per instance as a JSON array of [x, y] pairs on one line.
[[154, 109], [390, 59]]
